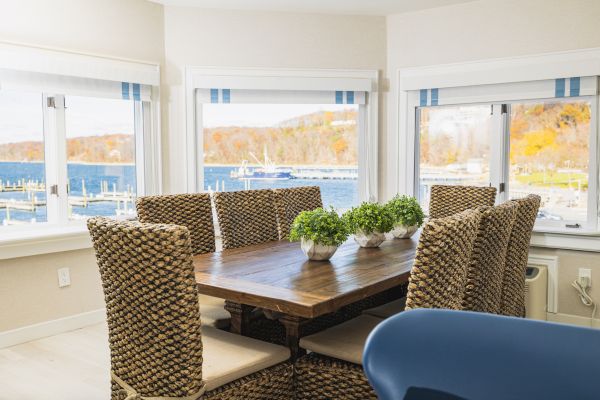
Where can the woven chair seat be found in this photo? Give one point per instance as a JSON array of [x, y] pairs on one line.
[[387, 310], [228, 357], [213, 313], [345, 341]]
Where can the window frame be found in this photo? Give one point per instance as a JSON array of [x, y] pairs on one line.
[[55, 161], [286, 79]]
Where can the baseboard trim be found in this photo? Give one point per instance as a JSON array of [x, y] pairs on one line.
[[49, 328], [573, 320]]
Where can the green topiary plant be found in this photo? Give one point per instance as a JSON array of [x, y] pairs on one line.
[[321, 226], [406, 210], [369, 218]]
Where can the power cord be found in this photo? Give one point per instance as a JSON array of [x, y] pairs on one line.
[[581, 285]]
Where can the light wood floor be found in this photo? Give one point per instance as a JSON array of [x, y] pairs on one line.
[[70, 366]]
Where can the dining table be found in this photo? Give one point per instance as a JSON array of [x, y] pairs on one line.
[[277, 276]]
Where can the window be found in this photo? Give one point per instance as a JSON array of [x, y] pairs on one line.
[[544, 147], [68, 157], [550, 156], [454, 147], [22, 171], [257, 146], [100, 140]]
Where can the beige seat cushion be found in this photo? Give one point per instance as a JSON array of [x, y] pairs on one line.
[[345, 341], [212, 312], [227, 357], [388, 309]]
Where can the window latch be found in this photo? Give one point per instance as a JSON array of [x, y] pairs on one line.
[[573, 225], [54, 190], [501, 187]]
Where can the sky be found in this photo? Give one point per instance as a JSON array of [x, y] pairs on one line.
[[21, 116], [259, 115]]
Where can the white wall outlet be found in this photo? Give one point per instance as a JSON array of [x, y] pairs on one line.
[[64, 277], [585, 273]]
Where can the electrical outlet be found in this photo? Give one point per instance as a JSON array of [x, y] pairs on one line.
[[64, 277], [585, 274]]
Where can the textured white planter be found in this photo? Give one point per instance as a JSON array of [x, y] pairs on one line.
[[316, 251], [403, 232], [373, 239]]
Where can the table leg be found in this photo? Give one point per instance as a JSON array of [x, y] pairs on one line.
[[292, 334], [240, 317]]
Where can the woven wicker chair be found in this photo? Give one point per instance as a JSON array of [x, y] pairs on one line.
[[157, 346], [485, 275], [291, 202], [439, 274], [194, 211], [333, 370], [513, 287], [246, 217], [447, 200]]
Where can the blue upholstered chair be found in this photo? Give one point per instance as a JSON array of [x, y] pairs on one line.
[[432, 354]]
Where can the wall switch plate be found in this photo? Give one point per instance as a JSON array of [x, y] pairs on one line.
[[64, 277], [585, 273]]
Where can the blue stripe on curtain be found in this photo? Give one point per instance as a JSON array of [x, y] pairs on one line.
[[434, 97], [125, 90], [214, 95], [136, 91], [423, 97], [226, 96], [339, 97], [559, 87], [349, 97], [574, 86]]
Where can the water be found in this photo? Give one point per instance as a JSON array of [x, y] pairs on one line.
[[341, 194]]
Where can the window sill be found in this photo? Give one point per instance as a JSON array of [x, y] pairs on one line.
[[31, 241], [580, 240]]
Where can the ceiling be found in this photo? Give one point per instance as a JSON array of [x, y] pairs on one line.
[[359, 7]]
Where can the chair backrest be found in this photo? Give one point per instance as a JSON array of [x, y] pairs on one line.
[[485, 274], [246, 217], [513, 287], [439, 273], [194, 211], [446, 200], [443, 354], [292, 201], [151, 306]]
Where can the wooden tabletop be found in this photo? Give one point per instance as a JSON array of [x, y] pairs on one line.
[[277, 275]]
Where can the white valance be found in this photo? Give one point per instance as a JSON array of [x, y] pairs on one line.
[[506, 92], [70, 85], [248, 96]]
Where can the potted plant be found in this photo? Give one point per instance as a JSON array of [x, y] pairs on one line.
[[408, 216], [369, 222], [320, 233]]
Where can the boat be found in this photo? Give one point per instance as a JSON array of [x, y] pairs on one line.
[[267, 170]]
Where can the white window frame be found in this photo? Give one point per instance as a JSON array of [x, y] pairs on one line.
[[286, 79], [58, 233], [507, 70]]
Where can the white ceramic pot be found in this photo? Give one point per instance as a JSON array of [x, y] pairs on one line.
[[316, 251], [373, 239], [403, 232]]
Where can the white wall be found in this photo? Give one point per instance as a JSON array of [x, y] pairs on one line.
[[132, 29], [198, 37], [486, 30]]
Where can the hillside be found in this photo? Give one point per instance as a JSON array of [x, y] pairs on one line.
[[115, 147], [318, 138]]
